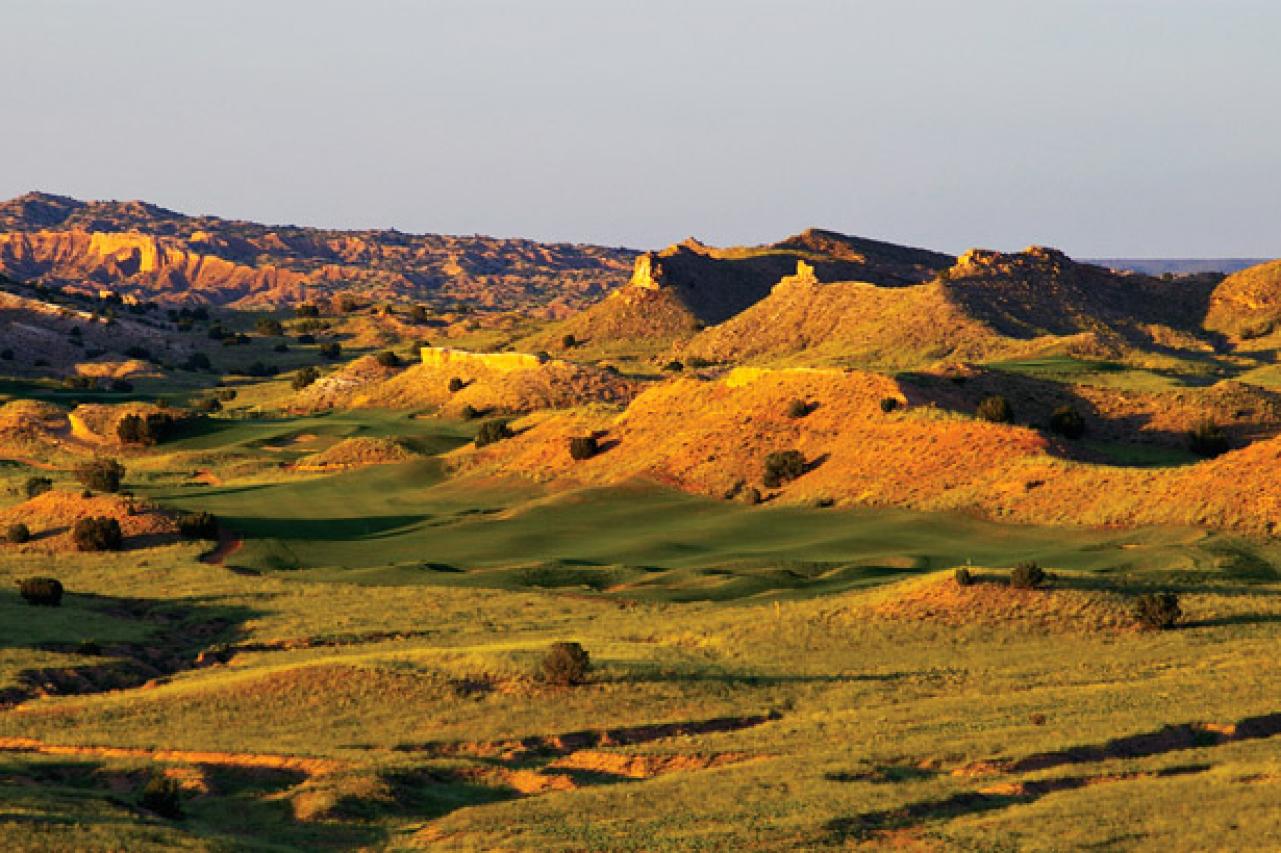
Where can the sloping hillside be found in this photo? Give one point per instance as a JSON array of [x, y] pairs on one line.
[[989, 305], [712, 438], [674, 292], [1247, 304], [152, 253]]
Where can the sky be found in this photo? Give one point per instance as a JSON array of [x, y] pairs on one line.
[[1130, 128]]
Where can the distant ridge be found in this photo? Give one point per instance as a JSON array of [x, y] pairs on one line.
[[1178, 266]]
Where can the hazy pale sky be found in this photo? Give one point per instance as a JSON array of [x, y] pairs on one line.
[[1103, 127]]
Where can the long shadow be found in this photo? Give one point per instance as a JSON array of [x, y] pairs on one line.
[[188, 634], [563, 744], [869, 824], [322, 529], [1171, 738], [1034, 399]]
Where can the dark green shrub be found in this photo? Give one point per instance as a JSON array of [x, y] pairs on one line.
[[798, 409], [565, 664], [1067, 422], [568, 342], [44, 592], [783, 466], [492, 431], [468, 412], [697, 363], [304, 377], [963, 577], [331, 350], [269, 327], [163, 796], [37, 486], [1207, 439], [996, 409], [197, 361], [673, 367], [387, 358], [889, 404], [99, 533], [1027, 576], [455, 385], [198, 525], [18, 533], [139, 430], [583, 447], [101, 475], [1158, 610]]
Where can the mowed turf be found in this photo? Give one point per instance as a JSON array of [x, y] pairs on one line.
[[406, 523]]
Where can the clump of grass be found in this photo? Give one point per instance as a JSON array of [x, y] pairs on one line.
[[996, 409], [565, 664], [1027, 575], [198, 525], [1067, 422], [583, 447], [1207, 439], [163, 796], [493, 431], [98, 533], [46, 592], [1158, 611], [783, 466]]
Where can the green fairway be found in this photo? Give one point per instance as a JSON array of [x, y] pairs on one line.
[[405, 523]]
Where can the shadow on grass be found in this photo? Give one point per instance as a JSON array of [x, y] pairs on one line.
[[867, 825], [186, 635]]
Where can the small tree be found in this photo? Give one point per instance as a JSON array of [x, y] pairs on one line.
[[101, 475], [963, 577], [145, 431], [1027, 575], [331, 350], [269, 327], [163, 796], [18, 533], [889, 404], [37, 486], [493, 431], [1158, 610], [783, 466], [455, 385], [99, 533], [1207, 439], [44, 592], [565, 664], [568, 342], [304, 377], [583, 447], [996, 409], [798, 409], [1067, 422], [387, 358]]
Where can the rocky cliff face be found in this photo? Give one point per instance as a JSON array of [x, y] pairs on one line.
[[148, 252]]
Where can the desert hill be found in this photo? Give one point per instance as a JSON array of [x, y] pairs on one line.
[[455, 381], [151, 253], [712, 438], [674, 292], [988, 305], [1247, 304]]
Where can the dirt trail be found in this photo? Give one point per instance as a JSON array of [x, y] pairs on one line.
[[310, 766]]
